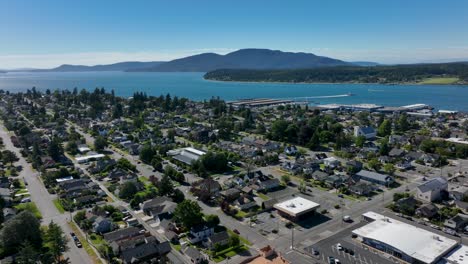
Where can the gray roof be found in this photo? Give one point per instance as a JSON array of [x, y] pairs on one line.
[[121, 234], [432, 184], [367, 130], [372, 175], [193, 253], [219, 237], [145, 251]]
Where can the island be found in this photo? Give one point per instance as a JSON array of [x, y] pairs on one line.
[[440, 73]]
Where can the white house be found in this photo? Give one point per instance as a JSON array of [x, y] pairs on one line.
[[431, 190], [368, 132], [331, 162], [199, 233]]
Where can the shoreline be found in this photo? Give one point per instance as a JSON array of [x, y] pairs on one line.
[[337, 83]]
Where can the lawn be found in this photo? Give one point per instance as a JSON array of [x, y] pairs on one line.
[[31, 207], [58, 205], [229, 252], [263, 196], [96, 240], [87, 247], [240, 214], [242, 239], [440, 80]]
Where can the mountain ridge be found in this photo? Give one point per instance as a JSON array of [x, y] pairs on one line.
[[245, 59], [119, 66]]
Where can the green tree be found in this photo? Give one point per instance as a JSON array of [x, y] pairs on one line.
[[359, 141], [56, 241], [234, 240], [403, 124], [285, 178], [374, 164], [127, 190], [314, 142], [9, 156], [385, 129], [27, 254], [72, 148], [165, 186], [188, 213], [55, 149], [389, 168], [147, 153], [212, 220], [100, 143], [21, 228]]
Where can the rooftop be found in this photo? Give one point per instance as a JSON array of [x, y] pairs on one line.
[[296, 206], [417, 243]]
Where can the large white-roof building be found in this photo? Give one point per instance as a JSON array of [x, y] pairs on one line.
[[186, 155], [404, 241], [296, 207]]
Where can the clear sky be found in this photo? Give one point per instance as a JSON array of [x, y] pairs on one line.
[[46, 33]]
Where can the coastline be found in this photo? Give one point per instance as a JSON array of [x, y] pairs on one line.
[[337, 83]]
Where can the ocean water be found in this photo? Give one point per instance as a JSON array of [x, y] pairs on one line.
[[193, 86]]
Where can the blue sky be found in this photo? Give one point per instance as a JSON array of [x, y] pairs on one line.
[[47, 33]]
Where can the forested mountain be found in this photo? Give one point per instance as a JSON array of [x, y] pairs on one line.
[[411, 73], [246, 59], [121, 66]]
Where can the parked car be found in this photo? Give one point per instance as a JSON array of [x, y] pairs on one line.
[[339, 246], [78, 243], [449, 231], [435, 226], [337, 261], [331, 260]]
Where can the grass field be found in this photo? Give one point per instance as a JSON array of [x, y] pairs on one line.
[[440, 80], [31, 207], [58, 205]]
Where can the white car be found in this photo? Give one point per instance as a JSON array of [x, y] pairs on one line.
[[339, 247], [337, 261]]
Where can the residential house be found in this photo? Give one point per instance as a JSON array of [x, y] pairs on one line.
[[375, 177], [331, 162], [290, 150], [334, 181], [319, 175], [231, 194], [208, 186], [268, 256], [102, 225], [221, 238], [396, 153], [368, 132], [159, 208], [427, 211], [362, 188], [432, 190], [199, 233], [195, 256], [269, 184], [458, 192], [245, 202], [153, 252], [354, 165], [457, 222], [122, 234]]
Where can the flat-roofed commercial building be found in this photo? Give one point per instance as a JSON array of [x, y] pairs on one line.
[[404, 241], [296, 207], [186, 155]]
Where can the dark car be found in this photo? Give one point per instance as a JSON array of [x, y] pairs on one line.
[[236, 231], [351, 252], [331, 260]]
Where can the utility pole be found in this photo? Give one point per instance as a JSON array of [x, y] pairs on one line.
[[292, 238]]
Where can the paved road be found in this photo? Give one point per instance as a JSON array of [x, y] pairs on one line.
[[43, 200], [174, 256]]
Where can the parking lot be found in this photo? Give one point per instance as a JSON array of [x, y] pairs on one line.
[[328, 247]]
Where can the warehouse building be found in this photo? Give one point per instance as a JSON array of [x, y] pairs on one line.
[[403, 241]]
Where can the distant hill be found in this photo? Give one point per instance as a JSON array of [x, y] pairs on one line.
[[442, 73], [121, 66], [245, 59], [365, 63]]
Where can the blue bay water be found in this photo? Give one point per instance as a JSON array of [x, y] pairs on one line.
[[193, 86]]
